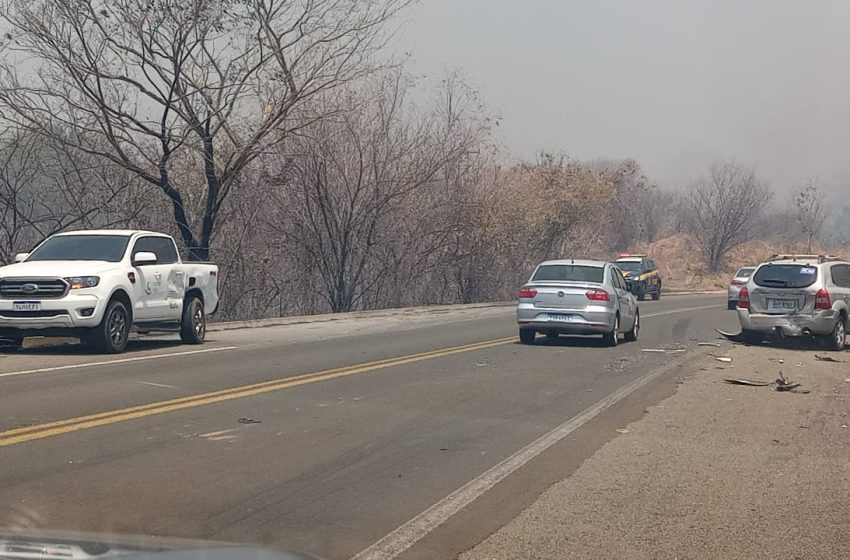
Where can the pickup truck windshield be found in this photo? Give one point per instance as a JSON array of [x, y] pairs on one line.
[[568, 273], [109, 248]]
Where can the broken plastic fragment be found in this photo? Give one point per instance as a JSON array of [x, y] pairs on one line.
[[747, 382]]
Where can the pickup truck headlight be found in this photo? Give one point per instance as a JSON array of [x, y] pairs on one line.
[[79, 282]]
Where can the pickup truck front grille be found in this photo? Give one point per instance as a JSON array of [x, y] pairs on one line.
[[35, 288]]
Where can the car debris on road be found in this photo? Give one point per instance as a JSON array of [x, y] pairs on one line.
[[780, 384], [827, 359]]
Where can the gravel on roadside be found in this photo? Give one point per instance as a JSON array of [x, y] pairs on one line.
[[714, 471]]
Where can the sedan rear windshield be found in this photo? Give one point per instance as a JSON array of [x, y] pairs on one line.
[[568, 273], [109, 248], [786, 276], [745, 273]]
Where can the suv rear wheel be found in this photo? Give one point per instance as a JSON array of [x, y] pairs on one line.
[[837, 339], [751, 338]]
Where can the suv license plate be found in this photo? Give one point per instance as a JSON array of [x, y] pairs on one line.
[[561, 318], [26, 306], [781, 305]]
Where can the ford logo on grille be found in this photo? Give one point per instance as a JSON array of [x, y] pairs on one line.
[[29, 288]]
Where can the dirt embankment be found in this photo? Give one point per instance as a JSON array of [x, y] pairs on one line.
[[682, 265]]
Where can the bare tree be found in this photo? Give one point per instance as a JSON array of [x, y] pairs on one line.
[[42, 192], [208, 85], [354, 179], [811, 212], [722, 209]]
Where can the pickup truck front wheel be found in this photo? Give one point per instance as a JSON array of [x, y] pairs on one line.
[[111, 335], [193, 325]]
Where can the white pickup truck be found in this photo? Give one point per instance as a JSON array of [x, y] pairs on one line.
[[99, 285]]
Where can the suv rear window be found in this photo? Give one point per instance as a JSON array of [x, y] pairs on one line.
[[786, 275], [568, 273]]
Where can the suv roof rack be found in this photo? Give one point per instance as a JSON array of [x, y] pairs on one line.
[[796, 257]]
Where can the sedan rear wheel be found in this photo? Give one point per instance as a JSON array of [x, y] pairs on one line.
[[526, 336], [613, 337], [632, 335]]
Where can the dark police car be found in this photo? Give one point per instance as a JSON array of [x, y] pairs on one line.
[[641, 273]]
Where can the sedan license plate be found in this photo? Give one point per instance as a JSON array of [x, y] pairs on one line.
[[561, 318], [781, 305], [26, 306]]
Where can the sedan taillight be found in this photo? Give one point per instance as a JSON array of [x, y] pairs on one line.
[[527, 293], [598, 295]]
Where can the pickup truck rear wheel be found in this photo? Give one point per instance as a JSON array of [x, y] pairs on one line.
[[111, 335], [193, 325], [11, 343]]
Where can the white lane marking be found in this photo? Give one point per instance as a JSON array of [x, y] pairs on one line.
[[218, 433], [414, 530], [158, 385], [121, 361], [683, 310]]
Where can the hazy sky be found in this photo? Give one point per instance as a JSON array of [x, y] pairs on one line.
[[674, 84]]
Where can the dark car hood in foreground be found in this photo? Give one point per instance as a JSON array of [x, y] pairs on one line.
[[37, 545]]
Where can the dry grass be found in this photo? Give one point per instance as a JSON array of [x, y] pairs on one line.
[[682, 265]]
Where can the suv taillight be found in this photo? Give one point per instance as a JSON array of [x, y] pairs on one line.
[[822, 299], [527, 293], [744, 298]]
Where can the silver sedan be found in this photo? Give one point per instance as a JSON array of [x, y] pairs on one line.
[[579, 297]]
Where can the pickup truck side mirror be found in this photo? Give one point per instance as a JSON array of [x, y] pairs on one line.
[[21, 257], [143, 258]]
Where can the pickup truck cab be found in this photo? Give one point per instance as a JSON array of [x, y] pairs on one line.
[[100, 285]]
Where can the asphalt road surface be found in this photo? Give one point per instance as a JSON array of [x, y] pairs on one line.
[[408, 435]]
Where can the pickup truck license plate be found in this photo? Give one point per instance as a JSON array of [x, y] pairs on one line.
[[561, 318], [26, 306], [781, 305]]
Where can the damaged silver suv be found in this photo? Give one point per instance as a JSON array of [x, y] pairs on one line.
[[797, 295]]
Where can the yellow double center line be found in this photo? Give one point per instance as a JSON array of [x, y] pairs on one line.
[[59, 427]]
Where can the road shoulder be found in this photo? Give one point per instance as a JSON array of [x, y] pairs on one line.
[[714, 471]]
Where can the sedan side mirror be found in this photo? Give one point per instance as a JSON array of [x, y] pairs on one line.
[[143, 258], [21, 257]]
